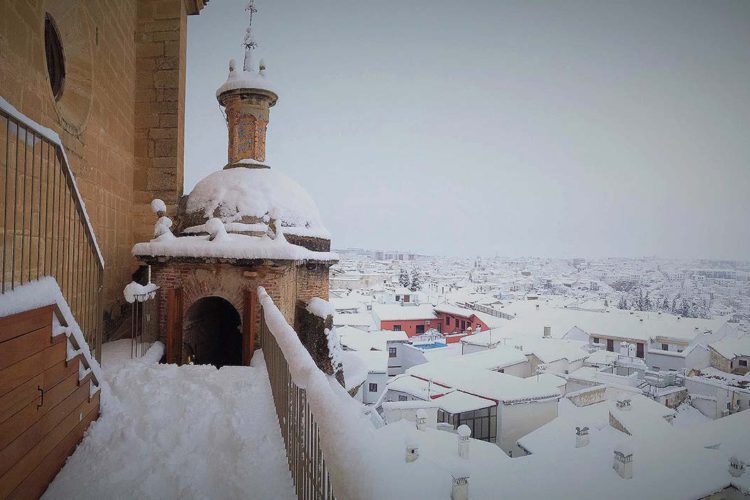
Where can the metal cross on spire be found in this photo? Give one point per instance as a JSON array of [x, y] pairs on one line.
[[249, 42]]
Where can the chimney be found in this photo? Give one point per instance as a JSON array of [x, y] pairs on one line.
[[421, 420], [547, 332], [582, 437], [623, 404], [623, 461], [463, 441], [736, 466], [412, 449], [460, 487]]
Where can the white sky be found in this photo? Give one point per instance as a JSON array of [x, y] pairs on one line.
[[536, 128]]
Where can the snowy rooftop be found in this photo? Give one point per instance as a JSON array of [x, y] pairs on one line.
[[233, 246], [732, 345], [460, 402], [530, 320], [395, 312], [491, 359]]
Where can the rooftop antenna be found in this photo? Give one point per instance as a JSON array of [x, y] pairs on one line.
[[249, 42]]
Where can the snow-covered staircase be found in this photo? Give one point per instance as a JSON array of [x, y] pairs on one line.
[[49, 387]]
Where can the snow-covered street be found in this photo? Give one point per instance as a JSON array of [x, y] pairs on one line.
[[170, 431]]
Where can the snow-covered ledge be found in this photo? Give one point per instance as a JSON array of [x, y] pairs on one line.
[[45, 292]]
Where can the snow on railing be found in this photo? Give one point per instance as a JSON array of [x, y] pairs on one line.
[[325, 432], [46, 230]]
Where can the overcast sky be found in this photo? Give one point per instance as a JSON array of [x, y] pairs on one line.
[[529, 128]]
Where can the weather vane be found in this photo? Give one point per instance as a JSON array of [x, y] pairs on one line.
[[249, 43]]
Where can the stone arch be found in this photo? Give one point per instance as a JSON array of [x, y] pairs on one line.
[[212, 333], [205, 282]]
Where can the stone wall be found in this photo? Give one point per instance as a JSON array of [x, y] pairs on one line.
[[161, 44], [720, 362], [312, 281], [121, 112]]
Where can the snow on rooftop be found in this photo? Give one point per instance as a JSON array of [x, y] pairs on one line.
[[491, 359], [732, 345], [234, 246], [460, 402], [530, 320], [396, 312], [256, 192]]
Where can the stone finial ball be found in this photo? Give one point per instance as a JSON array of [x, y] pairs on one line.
[[158, 206]]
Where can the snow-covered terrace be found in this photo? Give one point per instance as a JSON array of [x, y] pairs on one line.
[[170, 431]]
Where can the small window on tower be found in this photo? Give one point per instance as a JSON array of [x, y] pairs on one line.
[[55, 57]]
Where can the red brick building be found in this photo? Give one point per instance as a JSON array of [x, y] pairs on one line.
[[454, 319]]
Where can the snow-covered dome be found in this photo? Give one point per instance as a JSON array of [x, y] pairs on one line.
[[250, 195]]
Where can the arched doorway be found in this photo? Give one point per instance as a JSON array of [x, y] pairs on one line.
[[212, 334]]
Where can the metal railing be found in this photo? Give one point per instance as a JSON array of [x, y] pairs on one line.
[[298, 427], [43, 223]]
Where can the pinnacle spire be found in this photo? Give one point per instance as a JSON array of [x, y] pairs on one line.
[[249, 42]]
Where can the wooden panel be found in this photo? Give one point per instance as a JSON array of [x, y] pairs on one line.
[[34, 485], [29, 461], [20, 372], [59, 372], [22, 395], [58, 392], [18, 324], [174, 325], [12, 453], [19, 422], [249, 326], [14, 350]]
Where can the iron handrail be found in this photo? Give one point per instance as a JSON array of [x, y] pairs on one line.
[[45, 228]]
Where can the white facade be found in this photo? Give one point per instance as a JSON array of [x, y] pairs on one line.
[[518, 419]]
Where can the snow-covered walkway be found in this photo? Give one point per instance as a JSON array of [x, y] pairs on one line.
[[181, 432]]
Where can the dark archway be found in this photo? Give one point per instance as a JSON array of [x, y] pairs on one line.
[[212, 333]]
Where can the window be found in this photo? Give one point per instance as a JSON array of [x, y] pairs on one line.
[[396, 328], [55, 57], [639, 350], [665, 347], [482, 422], [420, 328], [456, 322], [448, 320], [743, 362], [391, 352], [595, 340], [373, 387], [463, 325], [401, 397]]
